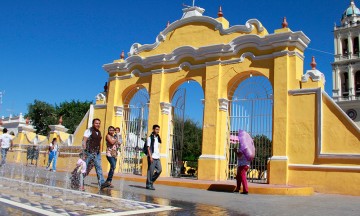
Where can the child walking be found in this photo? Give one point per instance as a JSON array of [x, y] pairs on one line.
[[81, 162], [78, 174]]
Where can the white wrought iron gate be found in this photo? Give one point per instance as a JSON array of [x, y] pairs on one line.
[[177, 133], [251, 110], [135, 128]]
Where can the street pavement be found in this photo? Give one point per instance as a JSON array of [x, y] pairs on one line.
[[35, 191]]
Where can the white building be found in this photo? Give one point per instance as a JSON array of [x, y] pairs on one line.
[[346, 67]]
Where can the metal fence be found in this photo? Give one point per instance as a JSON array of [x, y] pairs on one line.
[[135, 127], [177, 133], [252, 113]]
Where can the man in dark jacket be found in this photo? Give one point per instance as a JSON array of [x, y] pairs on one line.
[[91, 145]]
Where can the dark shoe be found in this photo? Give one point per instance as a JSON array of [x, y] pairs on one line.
[[105, 184], [236, 191], [150, 187], [245, 193]]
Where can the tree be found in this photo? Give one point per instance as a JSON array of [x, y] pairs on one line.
[[263, 146], [192, 141], [72, 113], [42, 115]]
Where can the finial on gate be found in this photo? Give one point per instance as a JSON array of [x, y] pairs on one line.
[[313, 63], [220, 13], [284, 23]]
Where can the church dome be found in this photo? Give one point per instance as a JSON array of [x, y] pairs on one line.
[[351, 11]]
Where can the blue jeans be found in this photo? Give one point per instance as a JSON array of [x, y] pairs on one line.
[[53, 159], [112, 161], [3, 155], [97, 163]]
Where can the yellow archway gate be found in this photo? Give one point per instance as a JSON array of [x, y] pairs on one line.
[[215, 55], [208, 51]]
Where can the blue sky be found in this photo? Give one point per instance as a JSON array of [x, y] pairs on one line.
[[54, 50]]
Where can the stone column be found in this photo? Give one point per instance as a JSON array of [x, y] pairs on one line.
[[278, 166], [351, 82], [340, 50], [336, 46], [158, 114], [213, 162], [350, 46]]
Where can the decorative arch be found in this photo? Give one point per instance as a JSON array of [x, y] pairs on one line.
[[174, 87], [237, 80], [129, 93]]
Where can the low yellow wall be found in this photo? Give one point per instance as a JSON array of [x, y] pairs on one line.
[[323, 151]]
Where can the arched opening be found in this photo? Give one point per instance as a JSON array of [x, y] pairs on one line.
[[185, 130], [356, 46], [345, 50], [251, 109], [345, 84], [134, 128], [357, 84]]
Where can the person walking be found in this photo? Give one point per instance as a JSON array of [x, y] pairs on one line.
[[82, 163], [243, 166], [153, 157], [112, 145], [91, 146], [6, 143], [53, 154]]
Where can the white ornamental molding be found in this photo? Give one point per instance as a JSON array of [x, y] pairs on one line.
[[165, 108], [119, 110], [247, 28], [58, 128], [315, 75], [223, 104], [297, 39], [101, 97]]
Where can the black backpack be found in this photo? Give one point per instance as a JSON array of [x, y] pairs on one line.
[[152, 140]]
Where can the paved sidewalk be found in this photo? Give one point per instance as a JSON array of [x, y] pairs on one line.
[[189, 201]]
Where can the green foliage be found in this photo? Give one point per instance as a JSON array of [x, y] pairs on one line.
[[192, 141], [72, 113], [43, 114], [263, 146]]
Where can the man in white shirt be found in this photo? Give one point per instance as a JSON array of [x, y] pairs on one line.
[[154, 164], [91, 146], [6, 143]]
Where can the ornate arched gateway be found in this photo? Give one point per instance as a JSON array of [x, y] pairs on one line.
[[219, 58], [215, 55]]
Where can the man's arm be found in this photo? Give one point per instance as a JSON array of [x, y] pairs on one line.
[[84, 142], [149, 151]]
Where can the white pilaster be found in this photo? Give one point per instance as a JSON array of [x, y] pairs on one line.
[[223, 104], [165, 108], [119, 110]]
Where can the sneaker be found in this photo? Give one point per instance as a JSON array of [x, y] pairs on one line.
[[82, 189], [47, 168], [104, 185], [53, 170]]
